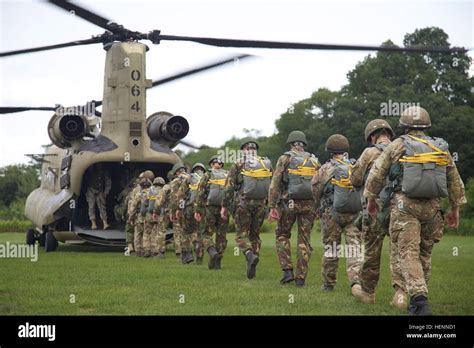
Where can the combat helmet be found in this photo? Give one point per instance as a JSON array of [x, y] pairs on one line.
[[216, 158], [148, 174], [159, 181], [415, 117], [177, 167], [247, 140], [374, 126], [337, 143], [197, 165], [296, 136], [144, 182]]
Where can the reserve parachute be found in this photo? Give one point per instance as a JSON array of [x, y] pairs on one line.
[[216, 186], [257, 174], [347, 199], [302, 168]]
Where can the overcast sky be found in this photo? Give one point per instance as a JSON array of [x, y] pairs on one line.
[[217, 104]]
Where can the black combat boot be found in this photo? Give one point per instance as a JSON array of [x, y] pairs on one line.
[[419, 306], [213, 255], [186, 257], [299, 282], [218, 262], [327, 287], [252, 261], [287, 277]]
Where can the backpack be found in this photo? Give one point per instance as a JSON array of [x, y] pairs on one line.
[[193, 186], [424, 167], [152, 196], [216, 186], [302, 168], [347, 199], [256, 177]]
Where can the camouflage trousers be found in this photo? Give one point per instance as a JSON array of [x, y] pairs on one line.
[[138, 235], [415, 226], [148, 234], [128, 233], [249, 217], [333, 225], [159, 234], [213, 224], [178, 236], [192, 231], [303, 212], [373, 235], [94, 197]]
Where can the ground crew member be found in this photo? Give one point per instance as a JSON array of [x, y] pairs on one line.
[[290, 200], [248, 183], [97, 190], [208, 208], [339, 205], [423, 171]]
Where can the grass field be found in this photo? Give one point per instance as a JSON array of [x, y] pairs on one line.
[[103, 281]]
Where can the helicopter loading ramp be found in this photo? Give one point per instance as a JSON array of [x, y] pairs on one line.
[[102, 237]]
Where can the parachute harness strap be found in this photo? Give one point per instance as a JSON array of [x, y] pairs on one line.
[[302, 170], [194, 187], [220, 182], [258, 173], [438, 156], [343, 182]]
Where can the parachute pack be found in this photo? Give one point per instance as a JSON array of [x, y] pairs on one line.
[[193, 186], [256, 174], [302, 168], [347, 199], [216, 186], [424, 167], [152, 197]]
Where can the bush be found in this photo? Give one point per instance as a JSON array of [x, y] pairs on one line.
[[15, 225]]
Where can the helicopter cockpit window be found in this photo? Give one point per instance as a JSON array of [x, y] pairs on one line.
[[50, 178]]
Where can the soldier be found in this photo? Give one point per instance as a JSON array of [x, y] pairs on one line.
[[137, 215], [248, 181], [208, 206], [162, 214], [184, 240], [186, 197], [423, 171], [151, 221], [378, 135], [121, 211], [290, 200], [338, 205], [97, 190]]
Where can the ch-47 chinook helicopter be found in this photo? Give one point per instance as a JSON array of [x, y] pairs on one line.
[[128, 141]]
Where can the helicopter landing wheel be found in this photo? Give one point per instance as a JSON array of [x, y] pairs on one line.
[[50, 242], [30, 237]]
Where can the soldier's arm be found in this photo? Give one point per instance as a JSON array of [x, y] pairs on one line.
[[317, 187], [359, 169], [182, 192], [230, 185], [456, 192], [380, 169], [201, 194], [276, 186]]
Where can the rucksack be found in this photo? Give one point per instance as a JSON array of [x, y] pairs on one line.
[[216, 186], [152, 196], [424, 167], [302, 168], [256, 176], [347, 199], [193, 186]]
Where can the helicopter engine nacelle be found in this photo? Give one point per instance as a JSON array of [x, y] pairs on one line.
[[67, 130], [166, 127]]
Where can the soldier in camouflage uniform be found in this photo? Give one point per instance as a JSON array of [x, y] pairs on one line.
[[162, 214], [136, 216], [424, 171], [151, 220], [186, 196], [179, 233], [378, 135], [248, 182], [290, 200], [98, 188], [334, 223], [208, 208]]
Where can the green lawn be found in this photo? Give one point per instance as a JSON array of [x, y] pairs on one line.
[[106, 282]]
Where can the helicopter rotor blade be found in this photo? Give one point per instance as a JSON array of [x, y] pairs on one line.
[[13, 109], [87, 15], [53, 47], [199, 69], [156, 37], [185, 143]]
